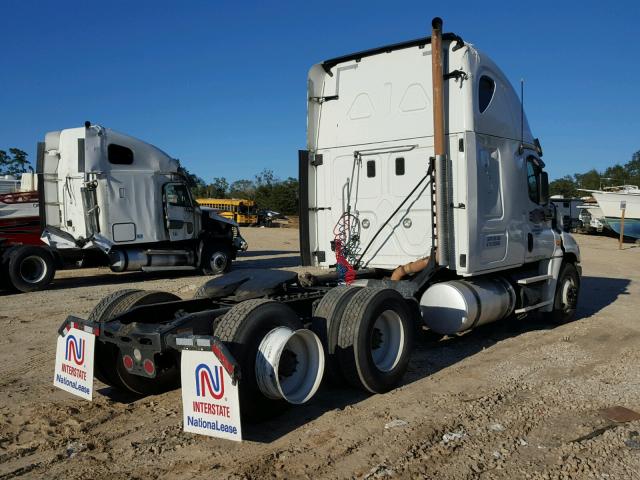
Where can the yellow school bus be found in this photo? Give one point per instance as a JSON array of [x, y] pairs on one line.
[[243, 212]]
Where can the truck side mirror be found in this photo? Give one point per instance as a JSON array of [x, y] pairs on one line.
[[543, 181]]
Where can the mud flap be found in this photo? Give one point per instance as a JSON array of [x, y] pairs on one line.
[[74, 360], [209, 377]]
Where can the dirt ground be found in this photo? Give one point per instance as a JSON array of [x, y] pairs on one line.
[[517, 399]]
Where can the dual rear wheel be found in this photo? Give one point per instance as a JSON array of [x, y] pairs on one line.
[[368, 335]]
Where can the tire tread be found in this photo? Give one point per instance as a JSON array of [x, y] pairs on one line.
[[231, 321]]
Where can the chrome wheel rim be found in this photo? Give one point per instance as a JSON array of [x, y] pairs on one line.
[[218, 262], [33, 269], [387, 341]]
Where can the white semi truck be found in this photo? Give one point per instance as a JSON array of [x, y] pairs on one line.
[[115, 198], [423, 187]]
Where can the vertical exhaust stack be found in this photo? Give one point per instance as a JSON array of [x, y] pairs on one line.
[[437, 79]]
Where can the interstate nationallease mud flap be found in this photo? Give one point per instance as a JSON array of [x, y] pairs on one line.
[[74, 360], [210, 396]]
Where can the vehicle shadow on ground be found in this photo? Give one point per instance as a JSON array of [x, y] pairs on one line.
[[329, 397], [289, 261], [598, 292], [433, 353], [110, 278], [119, 396], [266, 253]]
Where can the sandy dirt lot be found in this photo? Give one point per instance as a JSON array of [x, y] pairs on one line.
[[518, 399]]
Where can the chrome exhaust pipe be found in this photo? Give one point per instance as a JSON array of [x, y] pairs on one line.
[[440, 149]]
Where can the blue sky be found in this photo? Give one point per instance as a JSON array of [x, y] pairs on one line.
[[222, 85]]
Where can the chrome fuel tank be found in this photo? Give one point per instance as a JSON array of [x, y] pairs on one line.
[[458, 305]]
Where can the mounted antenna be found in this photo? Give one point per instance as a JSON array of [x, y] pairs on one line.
[[521, 148]]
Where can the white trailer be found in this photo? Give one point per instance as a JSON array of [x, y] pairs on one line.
[[423, 186]]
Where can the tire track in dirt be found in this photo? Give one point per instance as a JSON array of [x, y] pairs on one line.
[[10, 373]]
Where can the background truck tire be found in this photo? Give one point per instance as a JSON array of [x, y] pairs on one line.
[[102, 311], [566, 297], [375, 339], [106, 353], [242, 329], [109, 367], [30, 268], [326, 324], [4, 268], [216, 259]]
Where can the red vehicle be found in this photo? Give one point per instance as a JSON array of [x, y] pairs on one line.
[[19, 219], [26, 263]]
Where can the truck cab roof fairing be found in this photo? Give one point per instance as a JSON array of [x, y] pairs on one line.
[[327, 65], [500, 118], [145, 155]]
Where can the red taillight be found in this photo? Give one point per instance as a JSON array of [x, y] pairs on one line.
[[128, 362], [149, 367], [228, 366]]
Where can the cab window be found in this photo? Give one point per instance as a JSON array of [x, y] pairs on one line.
[[533, 169], [486, 89], [177, 195], [119, 155]]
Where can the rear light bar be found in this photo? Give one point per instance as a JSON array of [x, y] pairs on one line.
[[207, 342]]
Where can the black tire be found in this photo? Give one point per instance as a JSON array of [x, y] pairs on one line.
[[109, 355], [4, 268], [30, 268], [242, 329], [106, 354], [565, 300], [102, 312], [358, 336], [216, 259], [326, 324]]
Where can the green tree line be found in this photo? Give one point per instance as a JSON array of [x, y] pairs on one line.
[[627, 174], [267, 190], [13, 163]]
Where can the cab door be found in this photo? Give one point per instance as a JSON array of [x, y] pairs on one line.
[[540, 240], [179, 212]]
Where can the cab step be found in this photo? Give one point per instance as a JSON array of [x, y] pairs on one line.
[[530, 280], [168, 268], [532, 307]]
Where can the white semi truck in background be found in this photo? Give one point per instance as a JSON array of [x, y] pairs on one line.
[[122, 201], [423, 187]]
